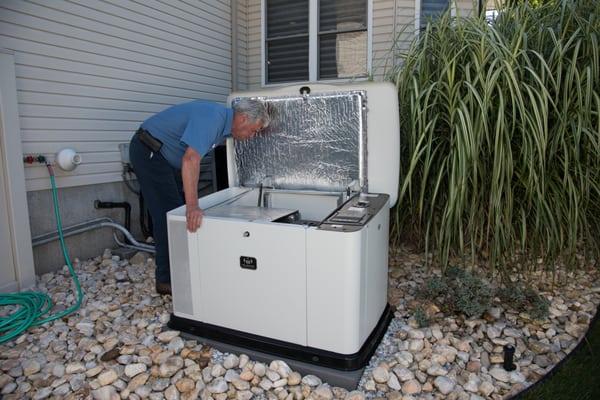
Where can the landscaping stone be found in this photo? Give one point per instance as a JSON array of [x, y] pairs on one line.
[[443, 384], [473, 348], [118, 346]]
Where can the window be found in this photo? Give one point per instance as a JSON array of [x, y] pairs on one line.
[[337, 46], [342, 38], [431, 9], [287, 40]]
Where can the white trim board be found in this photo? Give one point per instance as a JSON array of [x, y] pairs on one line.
[[12, 167]]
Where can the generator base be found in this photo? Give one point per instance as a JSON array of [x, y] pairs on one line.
[[342, 370]]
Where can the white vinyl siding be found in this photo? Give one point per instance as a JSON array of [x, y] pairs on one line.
[[388, 36], [88, 72]]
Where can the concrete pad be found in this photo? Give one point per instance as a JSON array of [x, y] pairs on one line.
[[345, 379]]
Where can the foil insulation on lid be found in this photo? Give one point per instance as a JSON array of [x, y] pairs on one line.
[[316, 141]]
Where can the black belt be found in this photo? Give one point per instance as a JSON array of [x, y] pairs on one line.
[[148, 140]]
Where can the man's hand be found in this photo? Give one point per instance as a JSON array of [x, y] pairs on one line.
[[193, 216], [190, 171]]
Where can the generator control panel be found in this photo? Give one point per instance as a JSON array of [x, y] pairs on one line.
[[355, 213]]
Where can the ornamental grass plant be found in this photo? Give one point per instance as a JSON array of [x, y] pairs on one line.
[[500, 128]]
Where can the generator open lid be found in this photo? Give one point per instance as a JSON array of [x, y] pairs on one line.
[[323, 137]]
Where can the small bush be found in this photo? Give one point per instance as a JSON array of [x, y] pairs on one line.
[[511, 297], [421, 317], [454, 272], [458, 291], [434, 287], [524, 299], [473, 296]]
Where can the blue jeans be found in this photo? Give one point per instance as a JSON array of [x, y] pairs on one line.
[[162, 189]]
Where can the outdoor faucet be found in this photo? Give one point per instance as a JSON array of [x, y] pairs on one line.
[[260, 190], [305, 91], [352, 187]]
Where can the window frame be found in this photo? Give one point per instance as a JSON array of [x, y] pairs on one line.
[[313, 46]]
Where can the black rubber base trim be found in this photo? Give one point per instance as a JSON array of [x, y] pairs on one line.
[[343, 362]]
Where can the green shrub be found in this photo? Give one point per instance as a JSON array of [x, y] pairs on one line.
[[434, 287], [454, 272], [421, 317], [458, 291], [500, 128], [473, 296], [524, 299]]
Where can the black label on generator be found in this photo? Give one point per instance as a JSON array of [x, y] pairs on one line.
[[247, 262]]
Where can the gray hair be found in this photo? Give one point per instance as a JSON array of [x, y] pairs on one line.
[[255, 110]]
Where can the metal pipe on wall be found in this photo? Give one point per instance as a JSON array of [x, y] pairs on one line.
[[394, 38], [121, 204], [127, 234], [69, 231], [131, 246], [234, 46]]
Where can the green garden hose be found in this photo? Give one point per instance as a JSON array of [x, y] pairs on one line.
[[32, 306]]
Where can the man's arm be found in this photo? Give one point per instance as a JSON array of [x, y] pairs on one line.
[[190, 173]]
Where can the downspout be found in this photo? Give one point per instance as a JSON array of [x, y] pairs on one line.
[[394, 38], [234, 46], [220, 153]]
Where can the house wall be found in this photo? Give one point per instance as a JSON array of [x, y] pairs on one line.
[[76, 206], [87, 73], [391, 35]]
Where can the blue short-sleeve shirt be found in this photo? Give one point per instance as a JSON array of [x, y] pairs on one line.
[[199, 124]]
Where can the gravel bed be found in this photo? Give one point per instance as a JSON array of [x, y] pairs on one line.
[[117, 346]]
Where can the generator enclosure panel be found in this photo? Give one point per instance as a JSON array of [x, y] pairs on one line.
[[292, 258]]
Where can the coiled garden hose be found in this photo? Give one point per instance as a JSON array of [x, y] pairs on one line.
[[32, 306]]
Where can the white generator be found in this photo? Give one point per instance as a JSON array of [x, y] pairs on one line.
[[292, 258]]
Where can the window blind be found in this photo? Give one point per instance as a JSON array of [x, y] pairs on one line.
[[342, 38], [286, 40]]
